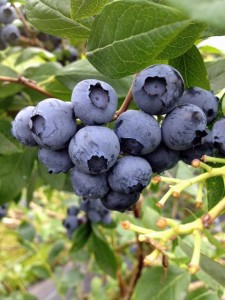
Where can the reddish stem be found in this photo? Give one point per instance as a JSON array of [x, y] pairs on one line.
[[26, 82], [125, 104]]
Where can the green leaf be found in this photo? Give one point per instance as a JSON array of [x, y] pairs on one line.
[[192, 68], [80, 237], [82, 69], [202, 294], [207, 11], [8, 144], [219, 247], [32, 52], [15, 172], [211, 267], [216, 73], [212, 31], [104, 255], [26, 231], [40, 271], [29, 297], [81, 9], [128, 35], [43, 72], [152, 286], [183, 41], [208, 280], [55, 251], [215, 190], [54, 18]]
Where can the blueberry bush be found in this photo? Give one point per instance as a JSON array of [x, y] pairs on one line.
[[117, 106]]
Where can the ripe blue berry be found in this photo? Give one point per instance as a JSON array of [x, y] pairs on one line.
[[94, 149], [7, 14], [196, 152], [130, 174], [120, 202], [71, 223], [3, 211], [184, 127], [55, 160], [156, 89], [138, 132], [202, 98], [89, 186], [95, 211], [3, 2], [218, 133], [162, 158], [73, 210], [10, 34], [20, 127], [53, 123], [94, 102]]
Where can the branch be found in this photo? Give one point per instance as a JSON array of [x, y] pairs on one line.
[[125, 104], [26, 24], [26, 82], [140, 256]]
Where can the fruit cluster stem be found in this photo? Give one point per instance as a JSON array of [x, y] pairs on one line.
[[177, 188]]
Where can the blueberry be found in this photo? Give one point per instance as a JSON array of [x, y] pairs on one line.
[[202, 98], [138, 132], [73, 210], [10, 34], [94, 102], [130, 174], [20, 127], [89, 186], [55, 160], [196, 152], [3, 44], [71, 223], [107, 218], [95, 211], [156, 89], [120, 202], [70, 54], [94, 149], [162, 158], [3, 2], [7, 14], [93, 216], [53, 123], [184, 127], [3, 212], [218, 133]]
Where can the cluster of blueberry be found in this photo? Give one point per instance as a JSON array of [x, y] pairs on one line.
[[115, 165], [3, 211], [93, 211], [9, 33], [64, 52]]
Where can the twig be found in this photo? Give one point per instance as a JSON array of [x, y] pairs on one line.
[[125, 104], [140, 256], [26, 25], [26, 82], [122, 283], [31, 41]]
